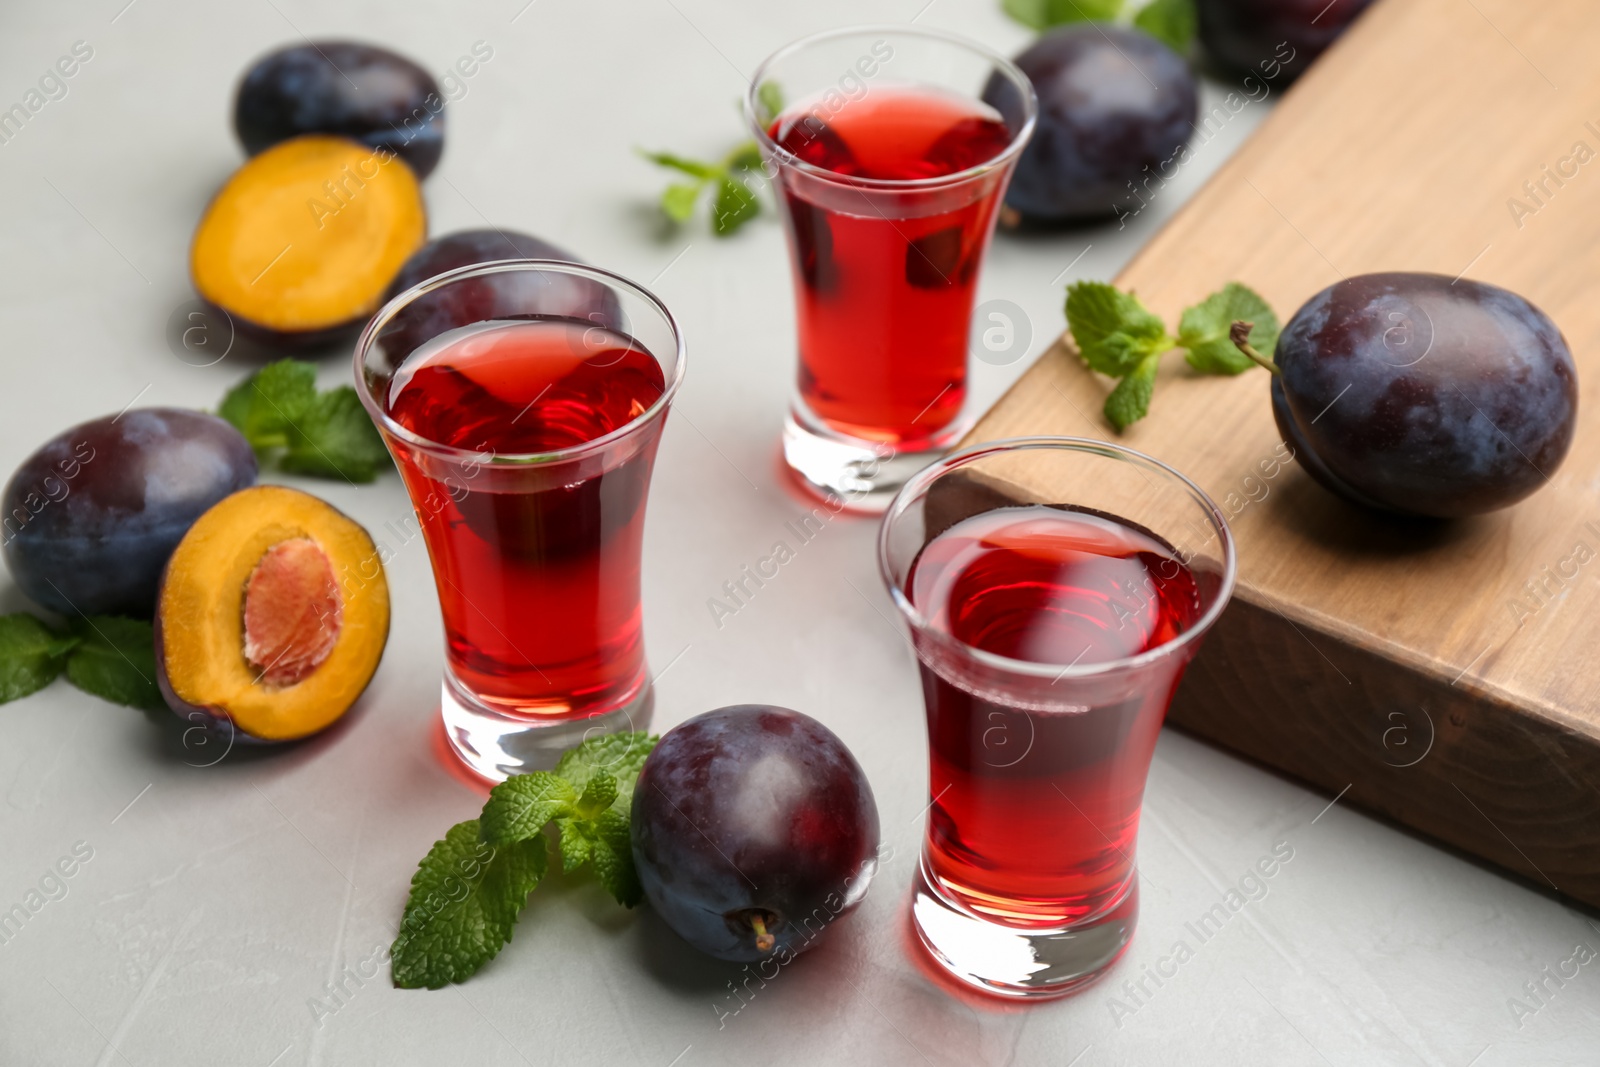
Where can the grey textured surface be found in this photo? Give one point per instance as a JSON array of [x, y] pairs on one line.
[[221, 901]]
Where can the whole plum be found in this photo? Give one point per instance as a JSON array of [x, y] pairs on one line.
[[753, 830], [359, 91], [1417, 394], [1275, 38], [1116, 106], [516, 294], [92, 516]]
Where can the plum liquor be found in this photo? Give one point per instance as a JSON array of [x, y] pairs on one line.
[[889, 171], [1036, 808], [539, 585], [884, 303]]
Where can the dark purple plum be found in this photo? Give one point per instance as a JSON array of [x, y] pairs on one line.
[[1272, 39], [91, 517], [1116, 108], [518, 294], [1416, 394], [353, 90], [753, 830]]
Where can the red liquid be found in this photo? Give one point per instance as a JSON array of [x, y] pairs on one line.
[[537, 567], [1037, 809], [884, 283]]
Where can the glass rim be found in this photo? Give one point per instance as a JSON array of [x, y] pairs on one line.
[[1030, 101], [387, 312], [919, 482]]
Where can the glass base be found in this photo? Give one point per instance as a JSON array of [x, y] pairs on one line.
[[1016, 962], [496, 746], [864, 474]]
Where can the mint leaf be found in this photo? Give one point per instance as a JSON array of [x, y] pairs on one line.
[[1204, 328], [577, 843], [1042, 14], [1173, 22], [770, 97], [520, 806], [115, 659], [746, 157], [472, 885], [334, 438], [678, 199], [262, 406], [465, 898], [31, 655], [735, 205], [1114, 332], [692, 167], [620, 756], [613, 859], [1130, 400], [328, 435], [597, 796]]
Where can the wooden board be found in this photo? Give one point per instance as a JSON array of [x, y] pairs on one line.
[[1448, 676]]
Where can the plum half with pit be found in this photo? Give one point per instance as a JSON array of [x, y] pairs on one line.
[[91, 516], [508, 295], [1275, 39], [754, 829], [1424, 395], [345, 88], [1116, 109]]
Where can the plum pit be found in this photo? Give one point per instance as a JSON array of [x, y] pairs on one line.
[[292, 612]]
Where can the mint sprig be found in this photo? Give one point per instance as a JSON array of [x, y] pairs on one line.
[[325, 434], [471, 887], [734, 202], [1171, 21], [1119, 337], [108, 656]]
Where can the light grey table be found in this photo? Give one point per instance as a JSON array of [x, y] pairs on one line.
[[221, 903]]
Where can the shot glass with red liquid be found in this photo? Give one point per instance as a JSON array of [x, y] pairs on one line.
[[523, 401], [889, 170], [1055, 590]]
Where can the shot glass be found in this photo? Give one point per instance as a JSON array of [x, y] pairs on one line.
[[890, 168], [535, 550], [1055, 589]]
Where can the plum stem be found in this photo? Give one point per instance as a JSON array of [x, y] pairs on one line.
[[1239, 334], [764, 939]]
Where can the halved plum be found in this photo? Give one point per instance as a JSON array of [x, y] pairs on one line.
[[273, 617], [299, 245]]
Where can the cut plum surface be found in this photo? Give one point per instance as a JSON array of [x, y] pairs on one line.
[[300, 244], [274, 613]]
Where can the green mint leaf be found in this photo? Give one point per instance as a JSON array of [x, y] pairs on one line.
[[262, 406], [613, 858], [577, 843], [770, 97], [746, 157], [1173, 22], [678, 199], [619, 756], [1114, 332], [31, 655], [598, 795], [736, 204], [520, 806], [1203, 330], [115, 659], [334, 438], [465, 899], [692, 167], [1130, 400], [1042, 14]]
